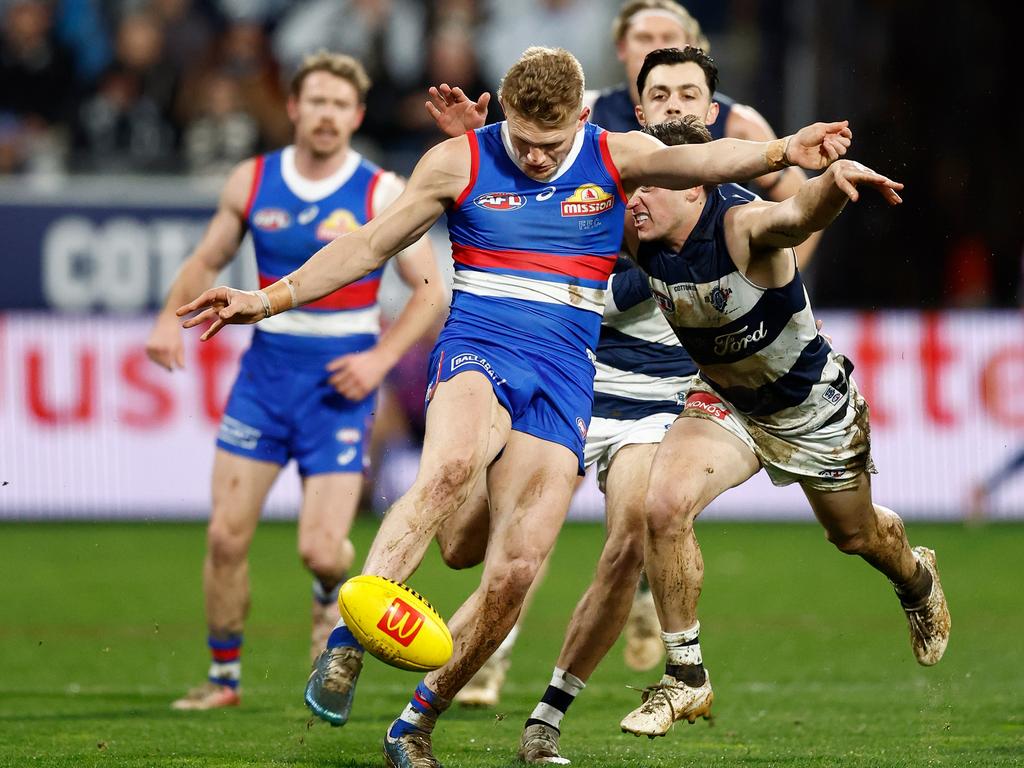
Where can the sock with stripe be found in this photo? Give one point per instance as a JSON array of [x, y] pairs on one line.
[[682, 656], [326, 596], [226, 659], [561, 692], [420, 714]]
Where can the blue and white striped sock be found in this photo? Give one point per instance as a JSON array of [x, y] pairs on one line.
[[420, 714]]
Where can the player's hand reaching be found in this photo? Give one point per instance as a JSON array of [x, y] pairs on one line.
[[223, 306], [818, 145], [849, 173], [164, 346], [355, 376], [454, 112]]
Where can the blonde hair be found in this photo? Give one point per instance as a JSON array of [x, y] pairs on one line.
[[337, 64], [545, 86], [695, 36]]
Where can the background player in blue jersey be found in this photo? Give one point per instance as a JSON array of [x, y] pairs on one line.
[[534, 207], [306, 386], [770, 393]]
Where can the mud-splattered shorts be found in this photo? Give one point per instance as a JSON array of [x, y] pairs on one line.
[[828, 458]]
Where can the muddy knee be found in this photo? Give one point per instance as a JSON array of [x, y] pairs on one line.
[[670, 513], [852, 541]]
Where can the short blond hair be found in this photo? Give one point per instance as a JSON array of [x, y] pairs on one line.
[[695, 36], [545, 86], [337, 64]]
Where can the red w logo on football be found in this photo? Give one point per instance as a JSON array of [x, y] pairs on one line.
[[401, 622]]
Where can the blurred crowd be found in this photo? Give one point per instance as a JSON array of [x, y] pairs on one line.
[[172, 86], [193, 86]]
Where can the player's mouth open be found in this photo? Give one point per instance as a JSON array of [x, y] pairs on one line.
[[639, 219]]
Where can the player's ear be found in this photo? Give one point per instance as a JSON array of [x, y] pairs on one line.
[[712, 113], [292, 107], [640, 115], [357, 119]]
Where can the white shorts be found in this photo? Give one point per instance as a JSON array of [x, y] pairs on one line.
[[829, 458], [606, 437]]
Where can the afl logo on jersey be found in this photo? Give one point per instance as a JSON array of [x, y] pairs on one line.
[[271, 219], [500, 201], [588, 200]]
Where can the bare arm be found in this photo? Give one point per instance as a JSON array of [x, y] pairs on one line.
[[745, 122], [642, 160], [437, 181], [216, 249], [814, 207]]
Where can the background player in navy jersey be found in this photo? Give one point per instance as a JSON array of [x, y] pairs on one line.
[[306, 386], [643, 26], [770, 393], [535, 210]]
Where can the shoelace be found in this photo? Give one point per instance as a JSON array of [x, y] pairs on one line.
[[647, 696], [541, 741]]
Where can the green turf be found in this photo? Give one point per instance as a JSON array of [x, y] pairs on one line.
[[101, 626]]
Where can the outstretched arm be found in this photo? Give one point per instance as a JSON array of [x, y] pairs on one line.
[[217, 248], [436, 182], [642, 160], [814, 207]]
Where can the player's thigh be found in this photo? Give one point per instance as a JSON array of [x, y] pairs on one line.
[[465, 425], [462, 537], [625, 487], [843, 513], [240, 486], [329, 504], [529, 488], [696, 462]]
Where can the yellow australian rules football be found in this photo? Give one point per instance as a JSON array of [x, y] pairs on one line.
[[395, 623]]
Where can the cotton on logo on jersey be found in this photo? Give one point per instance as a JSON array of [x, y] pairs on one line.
[[588, 200], [500, 201], [337, 224], [707, 403], [271, 219]]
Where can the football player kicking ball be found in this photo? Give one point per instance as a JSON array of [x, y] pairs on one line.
[[535, 208], [770, 393]]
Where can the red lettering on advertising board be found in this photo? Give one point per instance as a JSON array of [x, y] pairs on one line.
[[81, 408], [137, 370], [213, 356], [999, 396]]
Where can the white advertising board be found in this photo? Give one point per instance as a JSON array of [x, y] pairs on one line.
[[90, 428]]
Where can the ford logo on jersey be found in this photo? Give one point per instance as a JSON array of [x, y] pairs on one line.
[[500, 201], [271, 219]]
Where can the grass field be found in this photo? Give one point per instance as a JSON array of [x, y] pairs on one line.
[[101, 626]]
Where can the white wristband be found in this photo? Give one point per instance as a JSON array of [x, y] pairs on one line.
[[266, 303]]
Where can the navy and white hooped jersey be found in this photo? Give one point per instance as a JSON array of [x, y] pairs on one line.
[[532, 258], [613, 110], [642, 369], [757, 347], [291, 218]]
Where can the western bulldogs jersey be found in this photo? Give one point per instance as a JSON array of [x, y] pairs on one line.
[[532, 258], [613, 110], [291, 218], [757, 347], [642, 369]]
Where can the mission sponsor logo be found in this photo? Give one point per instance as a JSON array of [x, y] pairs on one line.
[[340, 222], [500, 201], [271, 219], [588, 200]]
